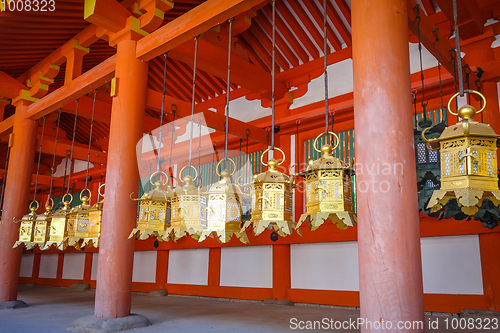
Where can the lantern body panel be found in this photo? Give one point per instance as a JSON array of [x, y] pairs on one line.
[[95, 220], [26, 230], [154, 215], [469, 162], [42, 229]]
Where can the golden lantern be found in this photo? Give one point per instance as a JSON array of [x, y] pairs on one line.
[[272, 199], [26, 228], [42, 225], [468, 152], [78, 220], [189, 209], [95, 219], [224, 209], [59, 226], [154, 211], [328, 189]]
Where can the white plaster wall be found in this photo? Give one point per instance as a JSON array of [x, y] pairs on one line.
[[73, 266], [27, 261], [188, 266], [144, 266], [48, 266], [452, 265], [325, 266], [95, 260], [247, 266]]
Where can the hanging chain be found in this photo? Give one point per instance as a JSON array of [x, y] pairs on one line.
[[193, 98], [424, 105], [55, 150], [162, 110], [73, 144], [453, 53], [39, 159], [199, 150], [297, 150], [272, 72], [459, 54], [325, 50], [247, 171], [5, 171], [467, 71], [479, 86], [173, 107], [90, 140], [414, 93], [436, 31], [228, 86]]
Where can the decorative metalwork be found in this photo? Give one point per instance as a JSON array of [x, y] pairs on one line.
[[78, 220], [59, 226], [27, 225], [155, 211], [328, 189], [272, 200], [42, 225], [95, 220], [468, 162], [189, 209], [224, 208]]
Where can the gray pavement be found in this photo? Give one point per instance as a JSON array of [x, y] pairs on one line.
[[53, 309]]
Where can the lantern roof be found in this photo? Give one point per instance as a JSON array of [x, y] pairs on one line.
[[466, 127], [272, 175], [224, 185], [326, 162], [157, 193], [83, 208]]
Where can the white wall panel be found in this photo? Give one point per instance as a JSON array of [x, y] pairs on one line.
[[452, 265], [144, 266], [95, 259], [247, 266], [325, 266], [188, 266], [73, 266], [27, 265], [48, 266]]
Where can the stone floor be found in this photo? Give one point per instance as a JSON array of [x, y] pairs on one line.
[[53, 309]]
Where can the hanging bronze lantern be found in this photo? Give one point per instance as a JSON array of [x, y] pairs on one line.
[[272, 199], [189, 209], [26, 228], [95, 219], [224, 208], [59, 226], [154, 211], [42, 225], [78, 220], [468, 162], [328, 189]]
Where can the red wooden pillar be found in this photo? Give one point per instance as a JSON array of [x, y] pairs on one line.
[[116, 251], [17, 189], [390, 269]]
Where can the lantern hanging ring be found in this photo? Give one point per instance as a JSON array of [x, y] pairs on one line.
[[322, 134], [470, 92], [70, 200], [88, 191], [268, 149], [151, 178], [31, 206], [49, 203], [192, 167], [227, 159], [429, 141], [99, 190]]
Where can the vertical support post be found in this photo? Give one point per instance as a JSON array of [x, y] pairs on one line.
[[17, 188], [116, 251], [281, 271], [214, 266], [390, 269], [161, 269]]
